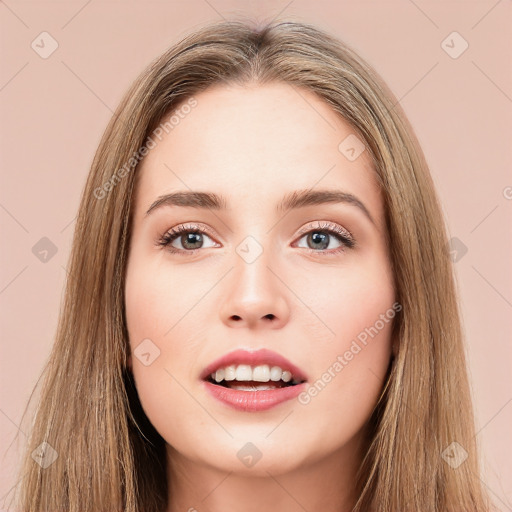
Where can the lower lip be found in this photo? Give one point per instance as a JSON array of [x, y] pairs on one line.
[[253, 401]]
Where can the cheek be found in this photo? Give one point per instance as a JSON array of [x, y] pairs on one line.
[[157, 296], [148, 304], [349, 299], [350, 364], [156, 316]]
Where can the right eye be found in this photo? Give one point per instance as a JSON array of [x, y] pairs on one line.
[[189, 237]]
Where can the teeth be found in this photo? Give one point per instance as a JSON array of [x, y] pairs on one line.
[[230, 372], [275, 373], [244, 372], [219, 375], [259, 387], [261, 373]]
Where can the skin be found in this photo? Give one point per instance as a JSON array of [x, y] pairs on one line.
[[253, 144]]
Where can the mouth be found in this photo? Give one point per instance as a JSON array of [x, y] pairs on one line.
[[244, 377], [253, 371]]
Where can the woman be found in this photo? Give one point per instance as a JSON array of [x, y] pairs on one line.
[[260, 312]]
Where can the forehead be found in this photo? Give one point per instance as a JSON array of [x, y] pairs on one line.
[[255, 143]]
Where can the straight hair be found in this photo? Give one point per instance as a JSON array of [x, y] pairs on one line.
[[109, 456]]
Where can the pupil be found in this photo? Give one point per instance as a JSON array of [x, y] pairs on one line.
[[191, 238], [320, 237]]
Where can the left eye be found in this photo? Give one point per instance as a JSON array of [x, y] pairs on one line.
[[321, 238], [322, 234]]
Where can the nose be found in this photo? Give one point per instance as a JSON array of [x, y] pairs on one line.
[[255, 297]]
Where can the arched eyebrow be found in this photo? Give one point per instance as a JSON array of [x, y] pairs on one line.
[[292, 200], [308, 197]]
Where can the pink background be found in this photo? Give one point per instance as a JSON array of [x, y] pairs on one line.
[[54, 111]]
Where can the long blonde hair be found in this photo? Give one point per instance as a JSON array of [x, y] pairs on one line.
[[109, 457]]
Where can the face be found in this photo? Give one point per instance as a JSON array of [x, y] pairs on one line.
[[311, 283]]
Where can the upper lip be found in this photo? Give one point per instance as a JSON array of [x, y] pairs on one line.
[[254, 358]]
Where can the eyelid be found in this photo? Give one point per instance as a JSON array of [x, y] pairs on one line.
[[328, 226]]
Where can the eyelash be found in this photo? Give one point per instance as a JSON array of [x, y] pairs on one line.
[[343, 236]]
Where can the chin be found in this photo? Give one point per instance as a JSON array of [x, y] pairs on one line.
[[251, 456]]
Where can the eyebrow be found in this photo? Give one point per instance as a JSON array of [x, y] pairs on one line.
[[292, 200]]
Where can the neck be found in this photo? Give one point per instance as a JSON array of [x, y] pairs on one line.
[[326, 484]]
